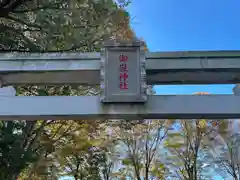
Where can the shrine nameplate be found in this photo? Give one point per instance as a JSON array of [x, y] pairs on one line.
[[123, 74]]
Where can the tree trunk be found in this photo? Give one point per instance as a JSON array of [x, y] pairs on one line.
[[75, 176], [195, 168], [146, 172]]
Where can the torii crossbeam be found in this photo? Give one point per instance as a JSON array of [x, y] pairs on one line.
[[212, 67], [88, 107]]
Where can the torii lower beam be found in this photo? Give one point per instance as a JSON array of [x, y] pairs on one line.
[[89, 107], [199, 67]]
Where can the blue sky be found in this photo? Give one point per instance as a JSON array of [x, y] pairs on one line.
[[172, 25]]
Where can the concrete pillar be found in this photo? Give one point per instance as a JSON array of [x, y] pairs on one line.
[[7, 91], [236, 90]]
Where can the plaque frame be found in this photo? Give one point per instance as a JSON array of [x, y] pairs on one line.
[[112, 45]]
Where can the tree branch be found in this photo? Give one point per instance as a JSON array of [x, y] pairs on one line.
[[20, 33], [55, 6], [9, 17], [9, 6]]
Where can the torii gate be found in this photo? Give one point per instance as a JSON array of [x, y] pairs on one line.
[[122, 97]]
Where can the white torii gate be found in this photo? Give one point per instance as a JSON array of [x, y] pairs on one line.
[[200, 67]]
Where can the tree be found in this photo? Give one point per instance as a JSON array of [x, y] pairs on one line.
[[141, 144], [60, 25], [184, 148], [49, 26], [61, 141], [79, 157], [188, 148], [224, 145], [16, 139]]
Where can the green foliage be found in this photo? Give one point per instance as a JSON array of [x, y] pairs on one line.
[[59, 25], [18, 147], [127, 161]]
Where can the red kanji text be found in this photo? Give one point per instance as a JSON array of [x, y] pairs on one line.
[[123, 58], [123, 76]]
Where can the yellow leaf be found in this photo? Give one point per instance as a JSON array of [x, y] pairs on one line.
[[202, 123], [201, 93]]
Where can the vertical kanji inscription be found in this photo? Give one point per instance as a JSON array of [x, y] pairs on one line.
[[123, 72]]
